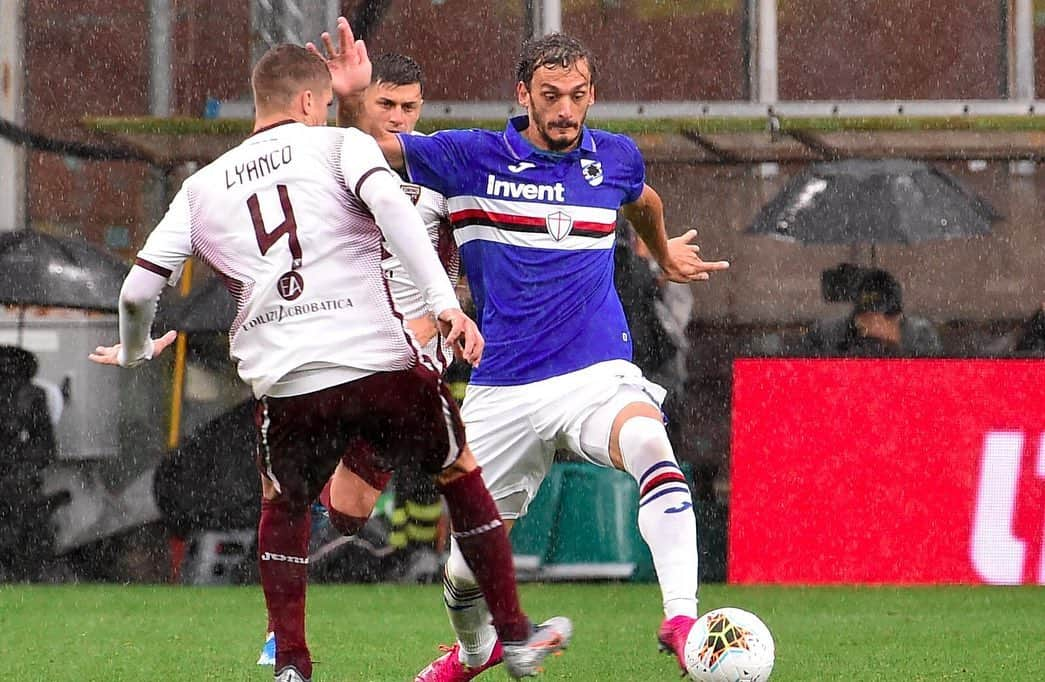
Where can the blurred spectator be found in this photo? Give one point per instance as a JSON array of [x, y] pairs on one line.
[[1027, 339], [877, 325], [27, 449], [1031, 336], [658, 311]]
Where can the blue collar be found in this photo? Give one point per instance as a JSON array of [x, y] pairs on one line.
[[522, 148]]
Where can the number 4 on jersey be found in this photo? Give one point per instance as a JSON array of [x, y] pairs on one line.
[[288, 227]]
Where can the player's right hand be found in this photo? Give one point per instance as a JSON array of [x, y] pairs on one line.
[[463, 335], [349, 64], [110, 355]]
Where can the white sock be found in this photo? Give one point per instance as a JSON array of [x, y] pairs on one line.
[[467, 610], [666, 519]]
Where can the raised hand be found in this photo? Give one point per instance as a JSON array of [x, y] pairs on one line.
[[110, 355], [463, 335], [684, 263], [349, 64]]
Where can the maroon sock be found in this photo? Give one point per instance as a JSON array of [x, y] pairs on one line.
[[480, 534], [283, 563]]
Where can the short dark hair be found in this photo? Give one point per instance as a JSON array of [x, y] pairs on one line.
[[878, 292], [283, 71], [396, 69], [553, 50]]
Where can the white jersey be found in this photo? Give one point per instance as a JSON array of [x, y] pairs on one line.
[[436, 217], [282, 220], [406, 297]]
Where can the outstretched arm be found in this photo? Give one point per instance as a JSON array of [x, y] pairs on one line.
[[350, 72], [138, 298], [677, 257]]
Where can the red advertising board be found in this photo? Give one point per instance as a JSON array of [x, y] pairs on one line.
[[887, 471]]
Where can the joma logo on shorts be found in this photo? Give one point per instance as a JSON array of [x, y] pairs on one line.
[[524, 190], [997, 551], [271, 556]]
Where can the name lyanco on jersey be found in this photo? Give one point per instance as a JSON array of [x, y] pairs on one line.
[[258, 168], [524, 190]]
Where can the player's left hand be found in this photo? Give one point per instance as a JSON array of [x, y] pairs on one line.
[[684, 263], [423, 329], [110, 355], [349, 64], [463, 335]]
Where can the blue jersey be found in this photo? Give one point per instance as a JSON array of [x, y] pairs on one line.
[[536, 235]]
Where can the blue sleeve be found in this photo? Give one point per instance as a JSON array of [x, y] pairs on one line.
[[635, 169], [435, 161]]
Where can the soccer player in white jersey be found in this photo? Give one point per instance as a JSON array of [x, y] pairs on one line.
[[533, 211], [392, 104], [292, 219]]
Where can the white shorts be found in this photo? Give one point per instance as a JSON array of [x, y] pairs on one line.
[[515, 431]]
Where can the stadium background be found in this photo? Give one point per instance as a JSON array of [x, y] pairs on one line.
[[92, 60]]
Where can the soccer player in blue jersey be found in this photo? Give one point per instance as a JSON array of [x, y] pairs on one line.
[[533, 210]]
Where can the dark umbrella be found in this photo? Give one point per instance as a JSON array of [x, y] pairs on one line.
[[209, 308], [862, 201], [44, 270]]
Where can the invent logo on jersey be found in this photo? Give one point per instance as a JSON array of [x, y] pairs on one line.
[[524, 190]]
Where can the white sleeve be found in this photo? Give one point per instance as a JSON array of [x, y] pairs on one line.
[[170, 243], [360, 158], [141, 290], [401, 225]]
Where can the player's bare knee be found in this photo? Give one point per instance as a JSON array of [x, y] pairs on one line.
[[346, 524], [642, 436], [645, 430]]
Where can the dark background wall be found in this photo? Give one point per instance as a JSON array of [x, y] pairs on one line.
[[91, 59]]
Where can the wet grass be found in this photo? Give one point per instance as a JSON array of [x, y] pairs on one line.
[[385, 632]]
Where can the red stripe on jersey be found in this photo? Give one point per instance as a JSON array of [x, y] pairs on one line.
[[528, 221], [666, 477], [152, 267]]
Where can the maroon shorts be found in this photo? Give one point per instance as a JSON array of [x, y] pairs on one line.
[[374, 425]]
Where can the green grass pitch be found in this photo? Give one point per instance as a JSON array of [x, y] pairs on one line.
[[386, 632]]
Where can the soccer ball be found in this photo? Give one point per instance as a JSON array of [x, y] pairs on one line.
[[729, 645]]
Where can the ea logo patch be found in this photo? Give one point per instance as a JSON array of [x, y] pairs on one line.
[[290, 285], [592, 171], [559, 225]]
